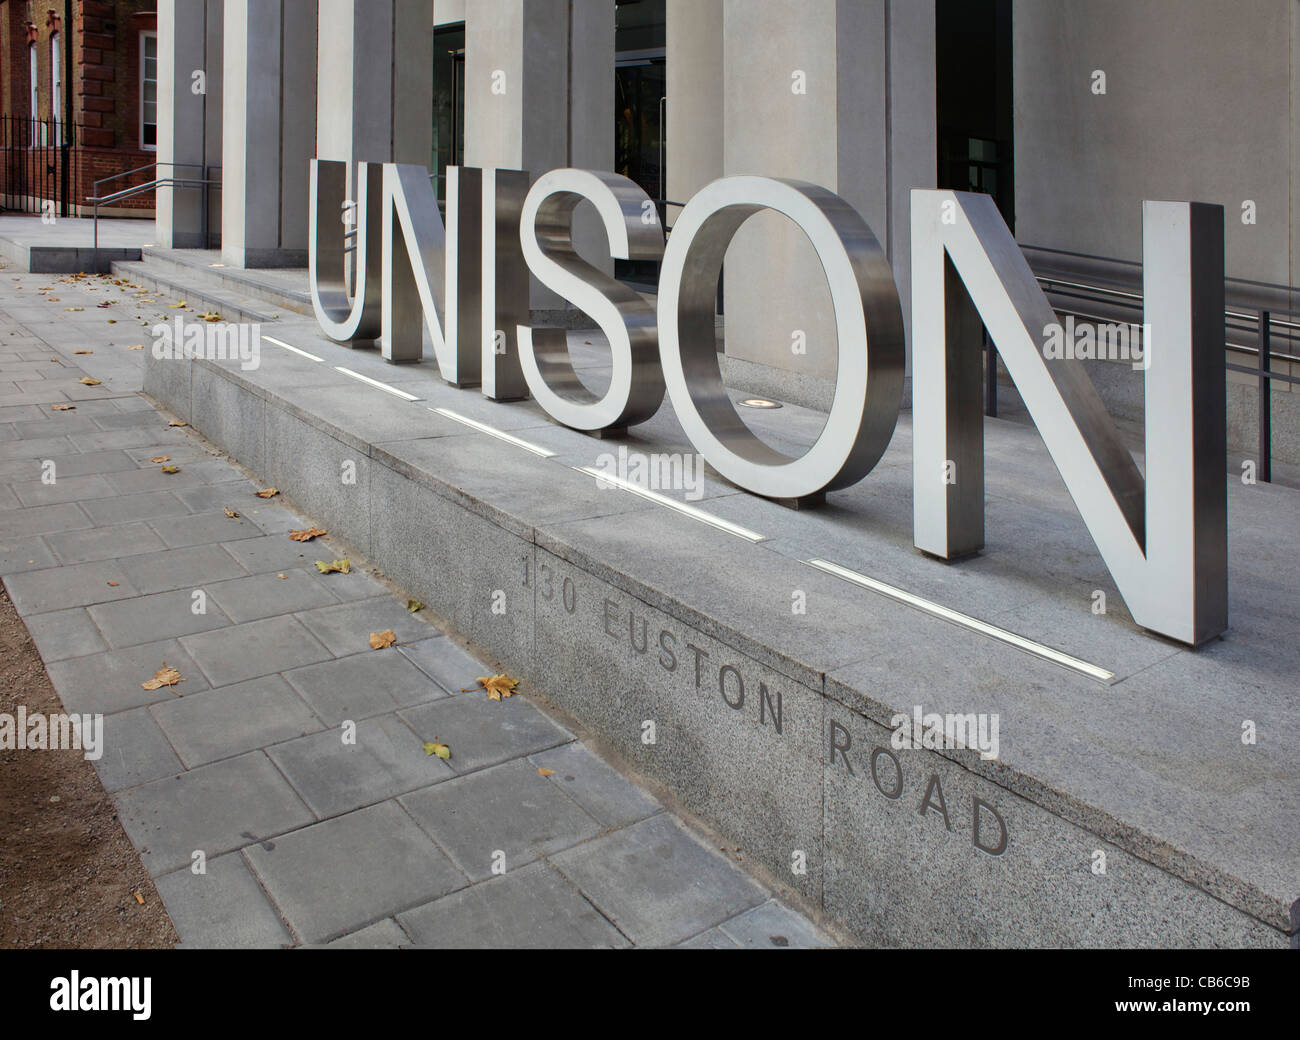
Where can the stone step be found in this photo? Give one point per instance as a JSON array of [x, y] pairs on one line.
[[202, 293]]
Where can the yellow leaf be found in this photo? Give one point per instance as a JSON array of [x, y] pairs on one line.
[[140, 347], [83, 353], [268, 493], [441, 750], [139, 898], [383, 640], [337, 567], [308, 536], [179, 306], [414, 606], [232, 514], [176, 424], [171, 471], [211, 318], [499, 686], [546, 772], [91, 382], [63, 407], [165, 676], [73, 310], [161, 459]]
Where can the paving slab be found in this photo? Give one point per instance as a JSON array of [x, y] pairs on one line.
[[533, 908], [485, 733], [231, 720], [135, 752], [658, 883], [338, 771], [350, 872], [232, 655], [110, 682], [214, 809], [373, 683], [499, 819], [149, 619], [223, 908]]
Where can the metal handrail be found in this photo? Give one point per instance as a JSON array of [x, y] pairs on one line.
[[127, 193], [1264, 321], [143, 169]]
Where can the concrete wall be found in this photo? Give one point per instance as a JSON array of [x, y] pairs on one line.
[[1200, 105]]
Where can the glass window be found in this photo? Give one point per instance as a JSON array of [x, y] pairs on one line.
[[56, 86], [148, 91]]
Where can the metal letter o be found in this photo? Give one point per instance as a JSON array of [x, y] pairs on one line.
[[869, 323]]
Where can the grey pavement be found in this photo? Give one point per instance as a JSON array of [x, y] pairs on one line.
[[282, 794]]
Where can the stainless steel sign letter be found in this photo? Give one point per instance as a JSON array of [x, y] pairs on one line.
[[1163, 537]]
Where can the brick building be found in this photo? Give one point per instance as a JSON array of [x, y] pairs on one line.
[[78, 100]]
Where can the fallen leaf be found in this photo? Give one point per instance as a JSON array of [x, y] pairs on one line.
[[91, 382], [546, 772], [161, 459], [441, 750], [171, 471], [178, 425], [114, 585], [211, 318], [283, 577], [268, 493], [165, 676], [83, 353], [63, 407], [337, 567], [179, 306], [308, 536], [383, 640], [232, 514], [139, 898], [140, 347], [499, 687], [74, 310], [414, 606]]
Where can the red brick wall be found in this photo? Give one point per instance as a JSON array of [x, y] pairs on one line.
[[106, 63]]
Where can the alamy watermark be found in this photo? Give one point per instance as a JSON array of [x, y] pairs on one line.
[[653, 472], [209, 341], [934, 732], [1084, 341], [37, 732]]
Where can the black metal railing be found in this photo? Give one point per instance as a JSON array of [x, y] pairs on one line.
[[1251, 333], [40, 160]]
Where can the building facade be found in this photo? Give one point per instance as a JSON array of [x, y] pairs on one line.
[[79, 101], [1069, 115]]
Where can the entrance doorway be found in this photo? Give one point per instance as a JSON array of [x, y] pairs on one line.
[[976, 107]]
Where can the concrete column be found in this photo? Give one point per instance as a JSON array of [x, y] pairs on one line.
[[841, 94], [376, 87], [695, 136], [189, 123], [539, 96], [270, 131]]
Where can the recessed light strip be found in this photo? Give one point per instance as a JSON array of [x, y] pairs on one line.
[[377, 384], [673, 504], [491, 431], [294, 350], [1092, 671]]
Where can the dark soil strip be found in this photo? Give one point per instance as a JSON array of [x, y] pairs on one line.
[[69, 875]]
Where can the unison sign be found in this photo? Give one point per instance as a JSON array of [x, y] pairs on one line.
[[1163, 535]]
